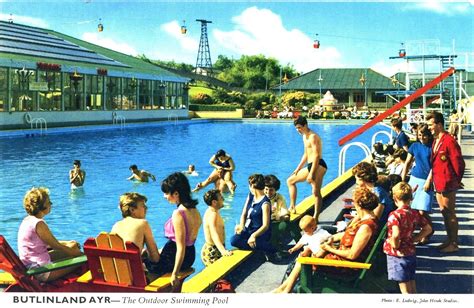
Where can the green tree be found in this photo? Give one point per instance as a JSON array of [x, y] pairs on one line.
[[253, 72], [223, 63]]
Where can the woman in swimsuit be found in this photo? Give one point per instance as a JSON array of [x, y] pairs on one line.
[[222, 174], [181, 230]]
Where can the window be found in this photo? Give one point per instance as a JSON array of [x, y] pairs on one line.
[[49, 91], [22, 98], [359, 99], [159, 94], [112, 88], [3, 89], [145, 94], [73, 91], [94, 92], [129, 99]]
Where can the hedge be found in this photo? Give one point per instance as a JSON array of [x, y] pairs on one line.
[[196, 107]]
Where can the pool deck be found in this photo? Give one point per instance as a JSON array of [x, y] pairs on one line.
[[437, 273]]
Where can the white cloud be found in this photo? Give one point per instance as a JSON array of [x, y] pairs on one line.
[[25, 20], [260, 31], [389, 70], [401, 67], [186, 42], [99, 39], [443, 8]]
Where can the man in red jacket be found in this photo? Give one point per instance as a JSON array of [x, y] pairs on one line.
[[447, 172]]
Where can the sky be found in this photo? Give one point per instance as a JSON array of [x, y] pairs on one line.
[[352, 34]]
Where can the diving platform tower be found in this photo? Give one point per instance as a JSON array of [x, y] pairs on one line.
[[423, 62]]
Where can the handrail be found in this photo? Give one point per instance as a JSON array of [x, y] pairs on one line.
[[39, 122], [342, 154], [118, 119], [397, 106], [173, 115], [378, 133]]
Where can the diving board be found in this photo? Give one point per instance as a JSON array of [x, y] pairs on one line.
[[398, 106]]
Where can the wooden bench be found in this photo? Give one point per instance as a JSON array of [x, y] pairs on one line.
[[370, 278], [6, 279], [206, 279], [19, 278], [115, 266]]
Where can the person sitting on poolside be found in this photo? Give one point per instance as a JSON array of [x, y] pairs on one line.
[[134, 227], [253, 230], [214, 232], [224, 167], [77, 176], [37, 246], [280, 216], [181, 229], [140, 175], [366, 176], [312, 238]]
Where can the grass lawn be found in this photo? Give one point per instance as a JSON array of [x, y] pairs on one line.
[[196, 89]]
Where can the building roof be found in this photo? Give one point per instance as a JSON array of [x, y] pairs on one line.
[[24, 46], [339, 79]]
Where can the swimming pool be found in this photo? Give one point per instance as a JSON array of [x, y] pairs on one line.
[[256, 147]]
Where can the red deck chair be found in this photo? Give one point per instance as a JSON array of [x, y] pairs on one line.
[[25, 279], [116, 266]]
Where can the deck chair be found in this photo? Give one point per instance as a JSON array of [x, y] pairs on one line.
[[25, 280], [116, 266], [370, 279]]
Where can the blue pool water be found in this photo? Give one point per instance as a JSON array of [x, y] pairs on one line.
[[106, 155]]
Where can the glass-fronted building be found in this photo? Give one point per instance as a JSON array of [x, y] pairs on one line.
[[69, 81]]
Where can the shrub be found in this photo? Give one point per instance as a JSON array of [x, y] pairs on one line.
[[195, 107], [201, 98], [233, 97], [294, 99]]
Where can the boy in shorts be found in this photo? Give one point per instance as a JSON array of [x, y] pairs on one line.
[[400, 243], [214, 232]]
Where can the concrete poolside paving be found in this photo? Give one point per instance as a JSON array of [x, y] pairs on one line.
[[437, 273]]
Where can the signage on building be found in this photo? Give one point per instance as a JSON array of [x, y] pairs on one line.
[[39, 86]]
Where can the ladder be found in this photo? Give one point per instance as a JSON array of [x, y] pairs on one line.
[[448, 85]]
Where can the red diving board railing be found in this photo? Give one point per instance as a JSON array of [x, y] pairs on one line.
[[398, 106]]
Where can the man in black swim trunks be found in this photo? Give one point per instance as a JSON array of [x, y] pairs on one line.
[[315, 168]]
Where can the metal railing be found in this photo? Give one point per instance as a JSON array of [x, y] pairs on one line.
[[118, 119], [342, 154], [36, 123], [174, 117], [382, 132]]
